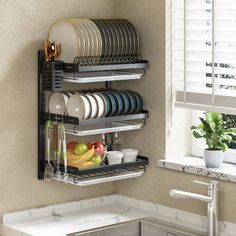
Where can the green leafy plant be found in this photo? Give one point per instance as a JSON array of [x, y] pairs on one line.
[[212, 129]]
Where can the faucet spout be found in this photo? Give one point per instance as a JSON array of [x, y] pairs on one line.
[[187, 195], [210, 199]]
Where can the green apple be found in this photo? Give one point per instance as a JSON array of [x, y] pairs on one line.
[[81, 148], [97, 159]]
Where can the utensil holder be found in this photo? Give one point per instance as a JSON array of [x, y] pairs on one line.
[[52, 75]]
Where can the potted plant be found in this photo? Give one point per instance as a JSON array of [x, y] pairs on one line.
[[217, 137]]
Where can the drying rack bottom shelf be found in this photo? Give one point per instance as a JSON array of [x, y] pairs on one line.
[[99, 180], [103, 174]]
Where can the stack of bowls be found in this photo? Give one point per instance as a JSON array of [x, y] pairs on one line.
[[125, 155], [96, 104]]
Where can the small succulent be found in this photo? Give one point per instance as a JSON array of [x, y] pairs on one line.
[[214, 131]]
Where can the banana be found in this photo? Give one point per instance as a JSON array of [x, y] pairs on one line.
[[72, 157], [81, 158], [87, 164]]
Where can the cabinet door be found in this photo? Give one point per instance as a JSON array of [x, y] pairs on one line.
[[130, 229], [155, 230]]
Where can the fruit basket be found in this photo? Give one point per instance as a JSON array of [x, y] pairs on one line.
[[84, 156]]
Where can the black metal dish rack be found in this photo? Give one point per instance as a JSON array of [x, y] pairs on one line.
[[50, 78]]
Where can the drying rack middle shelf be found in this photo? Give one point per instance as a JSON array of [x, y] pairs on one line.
[[77, 127]]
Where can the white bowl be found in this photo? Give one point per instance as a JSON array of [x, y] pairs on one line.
[[87, 106], [130, 155], [58, 103], [76, 106], [101, 105], [94, 105], [114, 157]]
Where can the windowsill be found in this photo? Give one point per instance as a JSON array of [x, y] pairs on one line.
[[196, 166]]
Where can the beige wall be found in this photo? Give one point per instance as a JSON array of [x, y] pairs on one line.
[[23, 27], [149, 18]]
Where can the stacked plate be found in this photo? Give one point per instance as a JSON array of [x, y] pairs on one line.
[[96, 104], [94, 38]]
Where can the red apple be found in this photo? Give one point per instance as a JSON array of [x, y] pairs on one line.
[[71, 146], [99, 148]]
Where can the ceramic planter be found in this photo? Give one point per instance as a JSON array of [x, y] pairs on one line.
[[213, 158]]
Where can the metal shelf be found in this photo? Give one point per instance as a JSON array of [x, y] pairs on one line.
[[104, 173], [140, 64], [100, 180], [75, 121], [100, 76], [51, 77], [95, 129]]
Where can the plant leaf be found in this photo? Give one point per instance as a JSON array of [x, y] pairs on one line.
[[197, 134]]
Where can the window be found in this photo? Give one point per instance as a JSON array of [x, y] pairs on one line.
[[204, 54], [203, 60]]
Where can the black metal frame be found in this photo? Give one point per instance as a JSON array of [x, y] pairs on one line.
[[43, 116], [41, 123], [75, 121], [139, 164]]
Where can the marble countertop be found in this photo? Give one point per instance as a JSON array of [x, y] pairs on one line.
[[87, 214], [195, 165], [76, 221], [78, 216]]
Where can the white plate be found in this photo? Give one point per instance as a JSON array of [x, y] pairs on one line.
[[91, 37], [87, 106], [58, 103], [98, 51], [85, 35], [101, 105], [94, 105], [81, 39], [64, 32], [76, 107]]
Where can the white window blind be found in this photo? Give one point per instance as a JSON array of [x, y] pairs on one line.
[[204, 54]]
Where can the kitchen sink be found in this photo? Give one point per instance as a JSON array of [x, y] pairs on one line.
[[142, 227]]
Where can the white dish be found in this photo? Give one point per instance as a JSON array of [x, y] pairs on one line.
[[101, 105], [130, 155], [91, 39], [87, 106], [58, 103], [98, 38], [114, 157], [76, 107], [65, 33], [94, 105], [81, 27]]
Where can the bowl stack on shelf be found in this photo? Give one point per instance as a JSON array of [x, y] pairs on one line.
[[93, 39], [97, 104]]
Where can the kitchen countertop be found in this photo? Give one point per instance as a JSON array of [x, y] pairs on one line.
[[63, 224], [87, 214]]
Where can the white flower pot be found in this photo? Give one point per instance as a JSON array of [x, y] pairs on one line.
[[213, 158]]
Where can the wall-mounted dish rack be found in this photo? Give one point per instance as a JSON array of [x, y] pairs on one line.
[[51, 77]]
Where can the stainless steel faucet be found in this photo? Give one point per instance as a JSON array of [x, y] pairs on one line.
[[212, 203]]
